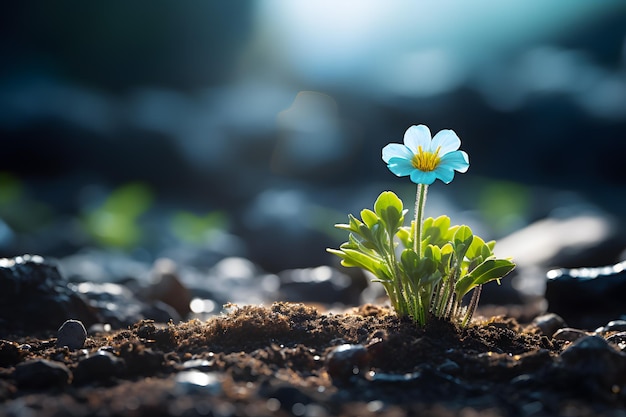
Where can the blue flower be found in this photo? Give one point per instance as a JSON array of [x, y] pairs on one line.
[[425, 159]]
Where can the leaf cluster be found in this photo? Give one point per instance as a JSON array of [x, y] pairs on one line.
[[431, 278]]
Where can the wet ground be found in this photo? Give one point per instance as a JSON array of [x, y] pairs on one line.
[[291, 359]]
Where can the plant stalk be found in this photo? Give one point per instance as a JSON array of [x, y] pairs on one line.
[[471, 308], [420, 201]]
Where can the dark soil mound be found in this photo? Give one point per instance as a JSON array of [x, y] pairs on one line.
[[289, 359]]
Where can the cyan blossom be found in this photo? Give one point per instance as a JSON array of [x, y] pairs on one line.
[[425, 159]]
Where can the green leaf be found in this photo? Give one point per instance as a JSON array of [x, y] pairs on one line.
[[353, 225], [433, 252], [388, 203], [404, 235], [390, 210], [490, 270], [197, 229], [476, 254], [462, 240], [436, 231], [115, 223], [451, 231], [369, 218], [352, 258], [428, 271], [446, 254], [476, 249], [362, 245], [464, 285], [432, 278], [366, 233], [420, 271], [409, 260], [463, 236]]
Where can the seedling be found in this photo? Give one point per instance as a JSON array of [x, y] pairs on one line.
[[428, 267]]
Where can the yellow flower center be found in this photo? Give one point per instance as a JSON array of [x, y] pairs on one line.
[[426, 161]]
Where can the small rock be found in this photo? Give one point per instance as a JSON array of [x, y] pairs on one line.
[[193, 381], [389, 377], [523, 381], [98, 366], [449, 367], [593, 357], [345, 361], [619, 339], [613, 326], [10, 353], [198, 364], [568, 334], [557, 241], [41, 373], [549, 323], [167, 287], [30, 285], [600, 290], [119, 307], [71, 334]]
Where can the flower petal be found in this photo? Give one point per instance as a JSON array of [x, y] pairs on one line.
[[400, 166], [444, 173], [417, 136], [448, 140], [421, 177], [457, 160], [396, 150]]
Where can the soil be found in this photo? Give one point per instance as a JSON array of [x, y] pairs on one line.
[[291, 359]]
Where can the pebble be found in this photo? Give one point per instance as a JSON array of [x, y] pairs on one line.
[[613, 326], [98, 366], [41, 373], [345, 361], [193, 381], [449, 367], [10, 353], [549, 323], [568, 334], [119, 307], [600, 290], [166, 286], [557, 241], [593, 357], [198, 364], [72, 334], [619, 339], [31, 284], [523, 381], [386, 377]]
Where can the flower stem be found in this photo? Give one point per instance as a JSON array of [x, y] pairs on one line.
[[420, 201], [471, 309]]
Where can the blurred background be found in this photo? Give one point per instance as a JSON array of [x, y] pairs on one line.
[[199, 130]]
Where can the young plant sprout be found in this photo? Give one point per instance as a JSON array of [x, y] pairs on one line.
[[429, 267]]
